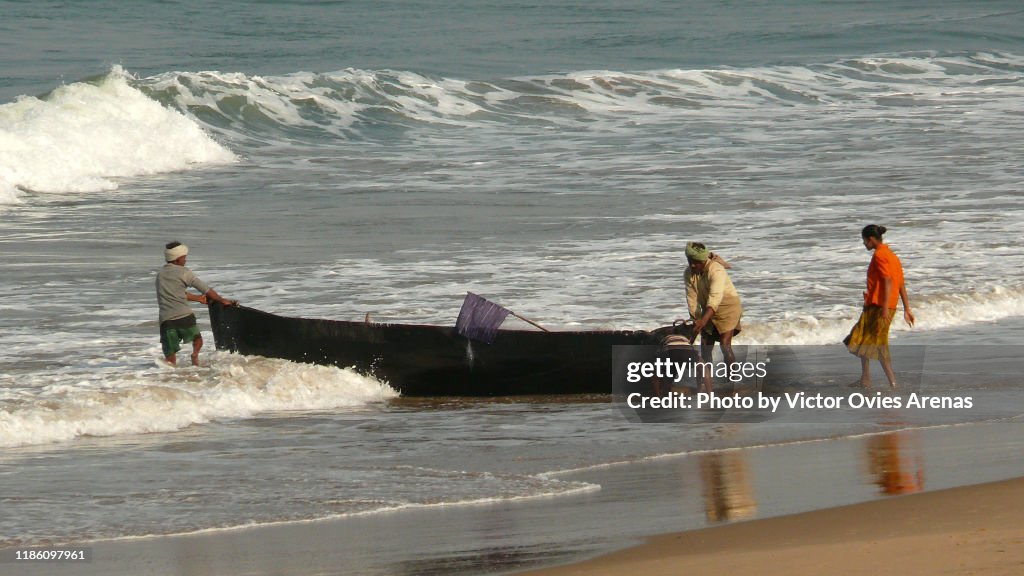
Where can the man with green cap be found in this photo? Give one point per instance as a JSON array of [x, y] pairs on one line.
[[713, 302]]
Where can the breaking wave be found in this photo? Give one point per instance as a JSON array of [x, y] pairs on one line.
[[166, 400], [84, 136], [351, 103]]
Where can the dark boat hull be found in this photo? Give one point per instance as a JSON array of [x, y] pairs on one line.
[[422, 360]]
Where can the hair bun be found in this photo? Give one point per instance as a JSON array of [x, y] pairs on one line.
[[881, 230]]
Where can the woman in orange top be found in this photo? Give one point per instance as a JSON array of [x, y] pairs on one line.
[[869, 339]]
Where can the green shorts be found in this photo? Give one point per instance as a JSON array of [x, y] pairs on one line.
[[174, 332]]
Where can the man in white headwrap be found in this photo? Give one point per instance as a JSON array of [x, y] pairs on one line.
[[177, 322], [713, 302]]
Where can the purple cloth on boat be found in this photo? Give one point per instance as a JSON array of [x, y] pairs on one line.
[[480, 318]]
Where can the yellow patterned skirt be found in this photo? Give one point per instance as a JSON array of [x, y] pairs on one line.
[[870, 336]]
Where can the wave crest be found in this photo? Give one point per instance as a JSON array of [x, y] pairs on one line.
[[353, 103], [83, 136]]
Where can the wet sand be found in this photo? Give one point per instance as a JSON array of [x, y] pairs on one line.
[[969, 530], [785, 505]]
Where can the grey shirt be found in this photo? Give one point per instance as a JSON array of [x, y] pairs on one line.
[[171, 283]]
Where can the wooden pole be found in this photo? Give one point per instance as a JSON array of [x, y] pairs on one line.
[[528, 321]]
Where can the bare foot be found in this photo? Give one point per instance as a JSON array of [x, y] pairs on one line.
[[195, 359], [859, 384]]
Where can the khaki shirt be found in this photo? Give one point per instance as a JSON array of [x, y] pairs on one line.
[[713, 289], [171, 284]]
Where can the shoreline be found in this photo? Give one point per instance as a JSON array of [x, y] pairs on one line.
[[738, 493], [976, 529]]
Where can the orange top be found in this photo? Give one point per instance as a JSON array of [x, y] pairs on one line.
[[884, 264]]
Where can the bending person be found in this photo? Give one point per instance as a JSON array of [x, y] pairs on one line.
[[713, 302]]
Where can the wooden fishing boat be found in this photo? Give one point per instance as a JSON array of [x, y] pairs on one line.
[[426, 360]]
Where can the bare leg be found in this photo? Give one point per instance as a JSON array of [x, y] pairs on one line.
[[865, 372], [729, 356], [172, 359], [197, 344], [887, 368], [706, 353]]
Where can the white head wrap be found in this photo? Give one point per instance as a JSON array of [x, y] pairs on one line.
[[172, 254]]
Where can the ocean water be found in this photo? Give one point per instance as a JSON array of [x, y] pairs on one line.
[[332, 159]]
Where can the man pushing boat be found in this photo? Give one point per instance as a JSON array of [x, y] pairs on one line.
[[177, 322]]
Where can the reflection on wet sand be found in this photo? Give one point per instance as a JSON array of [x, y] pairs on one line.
[[895, 463], [728, 491]]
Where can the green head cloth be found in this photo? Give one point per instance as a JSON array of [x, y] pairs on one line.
[[697, 252]]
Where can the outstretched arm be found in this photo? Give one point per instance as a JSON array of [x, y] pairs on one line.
[[211, 294], [716, 290], [701, 322], [201, 298]]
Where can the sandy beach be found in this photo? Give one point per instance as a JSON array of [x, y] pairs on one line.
[[947, 500], [969, 530]]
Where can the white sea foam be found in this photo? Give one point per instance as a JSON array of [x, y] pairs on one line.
[[932, 312], [636, 283], [166, 399], [341, 102], [83, 136]]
